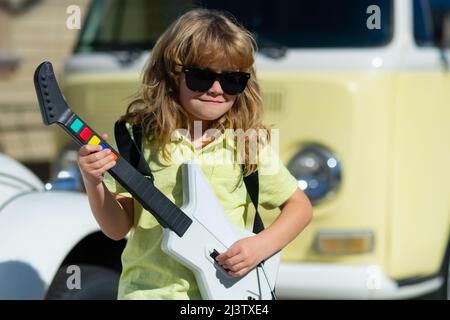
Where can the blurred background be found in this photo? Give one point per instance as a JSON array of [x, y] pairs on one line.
[[30, 32], [359, 91]]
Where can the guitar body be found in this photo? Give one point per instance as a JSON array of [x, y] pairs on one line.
[[209, 231]]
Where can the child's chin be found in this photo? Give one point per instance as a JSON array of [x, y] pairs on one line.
[[209, 116]]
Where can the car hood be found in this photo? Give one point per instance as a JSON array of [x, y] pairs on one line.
[[15, 179]]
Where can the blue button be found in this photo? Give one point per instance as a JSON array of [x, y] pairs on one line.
[[104, 146]]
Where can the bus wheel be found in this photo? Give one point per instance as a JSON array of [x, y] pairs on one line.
[[95, 283]]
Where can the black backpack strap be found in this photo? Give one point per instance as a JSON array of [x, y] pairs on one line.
[[130, 148], [252, 184]]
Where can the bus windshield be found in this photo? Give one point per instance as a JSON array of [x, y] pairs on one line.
[[113, 25]]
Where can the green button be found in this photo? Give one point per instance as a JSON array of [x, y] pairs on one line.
[[76, 125]]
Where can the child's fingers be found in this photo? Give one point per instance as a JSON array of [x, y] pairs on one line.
[[109, 165], [94, 161], [97, 156], [233, 261], [239, 273], [104, 168], [222, 257], [98, 164], [87, 149], [92, 164], [231, 252], [238, 267]]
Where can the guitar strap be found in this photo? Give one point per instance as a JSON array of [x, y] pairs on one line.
[[130, 149]]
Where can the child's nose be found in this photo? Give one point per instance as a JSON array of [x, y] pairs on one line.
[[216, 88]]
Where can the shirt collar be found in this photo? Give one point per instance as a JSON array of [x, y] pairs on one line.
[[181, 136]]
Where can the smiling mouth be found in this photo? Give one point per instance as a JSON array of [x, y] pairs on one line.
[[211, 101]]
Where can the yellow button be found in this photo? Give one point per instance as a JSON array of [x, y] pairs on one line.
[[94, 140]]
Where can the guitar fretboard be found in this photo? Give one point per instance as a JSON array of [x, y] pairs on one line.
[[54, 109], [142, 189]]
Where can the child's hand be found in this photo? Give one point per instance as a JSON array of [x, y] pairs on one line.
[[93, 162], [242, 256]]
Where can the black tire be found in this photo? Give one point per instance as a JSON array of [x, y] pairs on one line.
[[97, 283], [446, 287], [443, 293]]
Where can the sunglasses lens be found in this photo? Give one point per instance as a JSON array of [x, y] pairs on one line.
[[234, 83], [199, 80]]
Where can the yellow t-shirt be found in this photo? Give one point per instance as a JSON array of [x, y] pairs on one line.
[[147, 272]]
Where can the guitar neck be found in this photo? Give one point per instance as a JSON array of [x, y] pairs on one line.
[[142, 188]]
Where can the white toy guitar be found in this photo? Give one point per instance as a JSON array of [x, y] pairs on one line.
[[193, 234]]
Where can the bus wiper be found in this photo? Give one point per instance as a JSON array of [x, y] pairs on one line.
[[271, 49]]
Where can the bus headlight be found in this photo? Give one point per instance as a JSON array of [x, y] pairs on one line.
[[65, 172], [317, 170]]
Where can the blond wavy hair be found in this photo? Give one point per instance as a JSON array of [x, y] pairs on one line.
[[197, 38]]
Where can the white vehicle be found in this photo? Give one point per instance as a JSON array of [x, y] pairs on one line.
[[48, 236]]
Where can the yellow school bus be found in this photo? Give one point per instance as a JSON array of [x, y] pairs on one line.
[[361, 95]]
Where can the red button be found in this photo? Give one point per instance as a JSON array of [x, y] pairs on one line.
[[85, 134]]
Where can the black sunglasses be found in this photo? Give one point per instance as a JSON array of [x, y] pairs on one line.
[[200, 80]]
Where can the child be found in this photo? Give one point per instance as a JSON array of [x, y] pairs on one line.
[[201, 70]]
